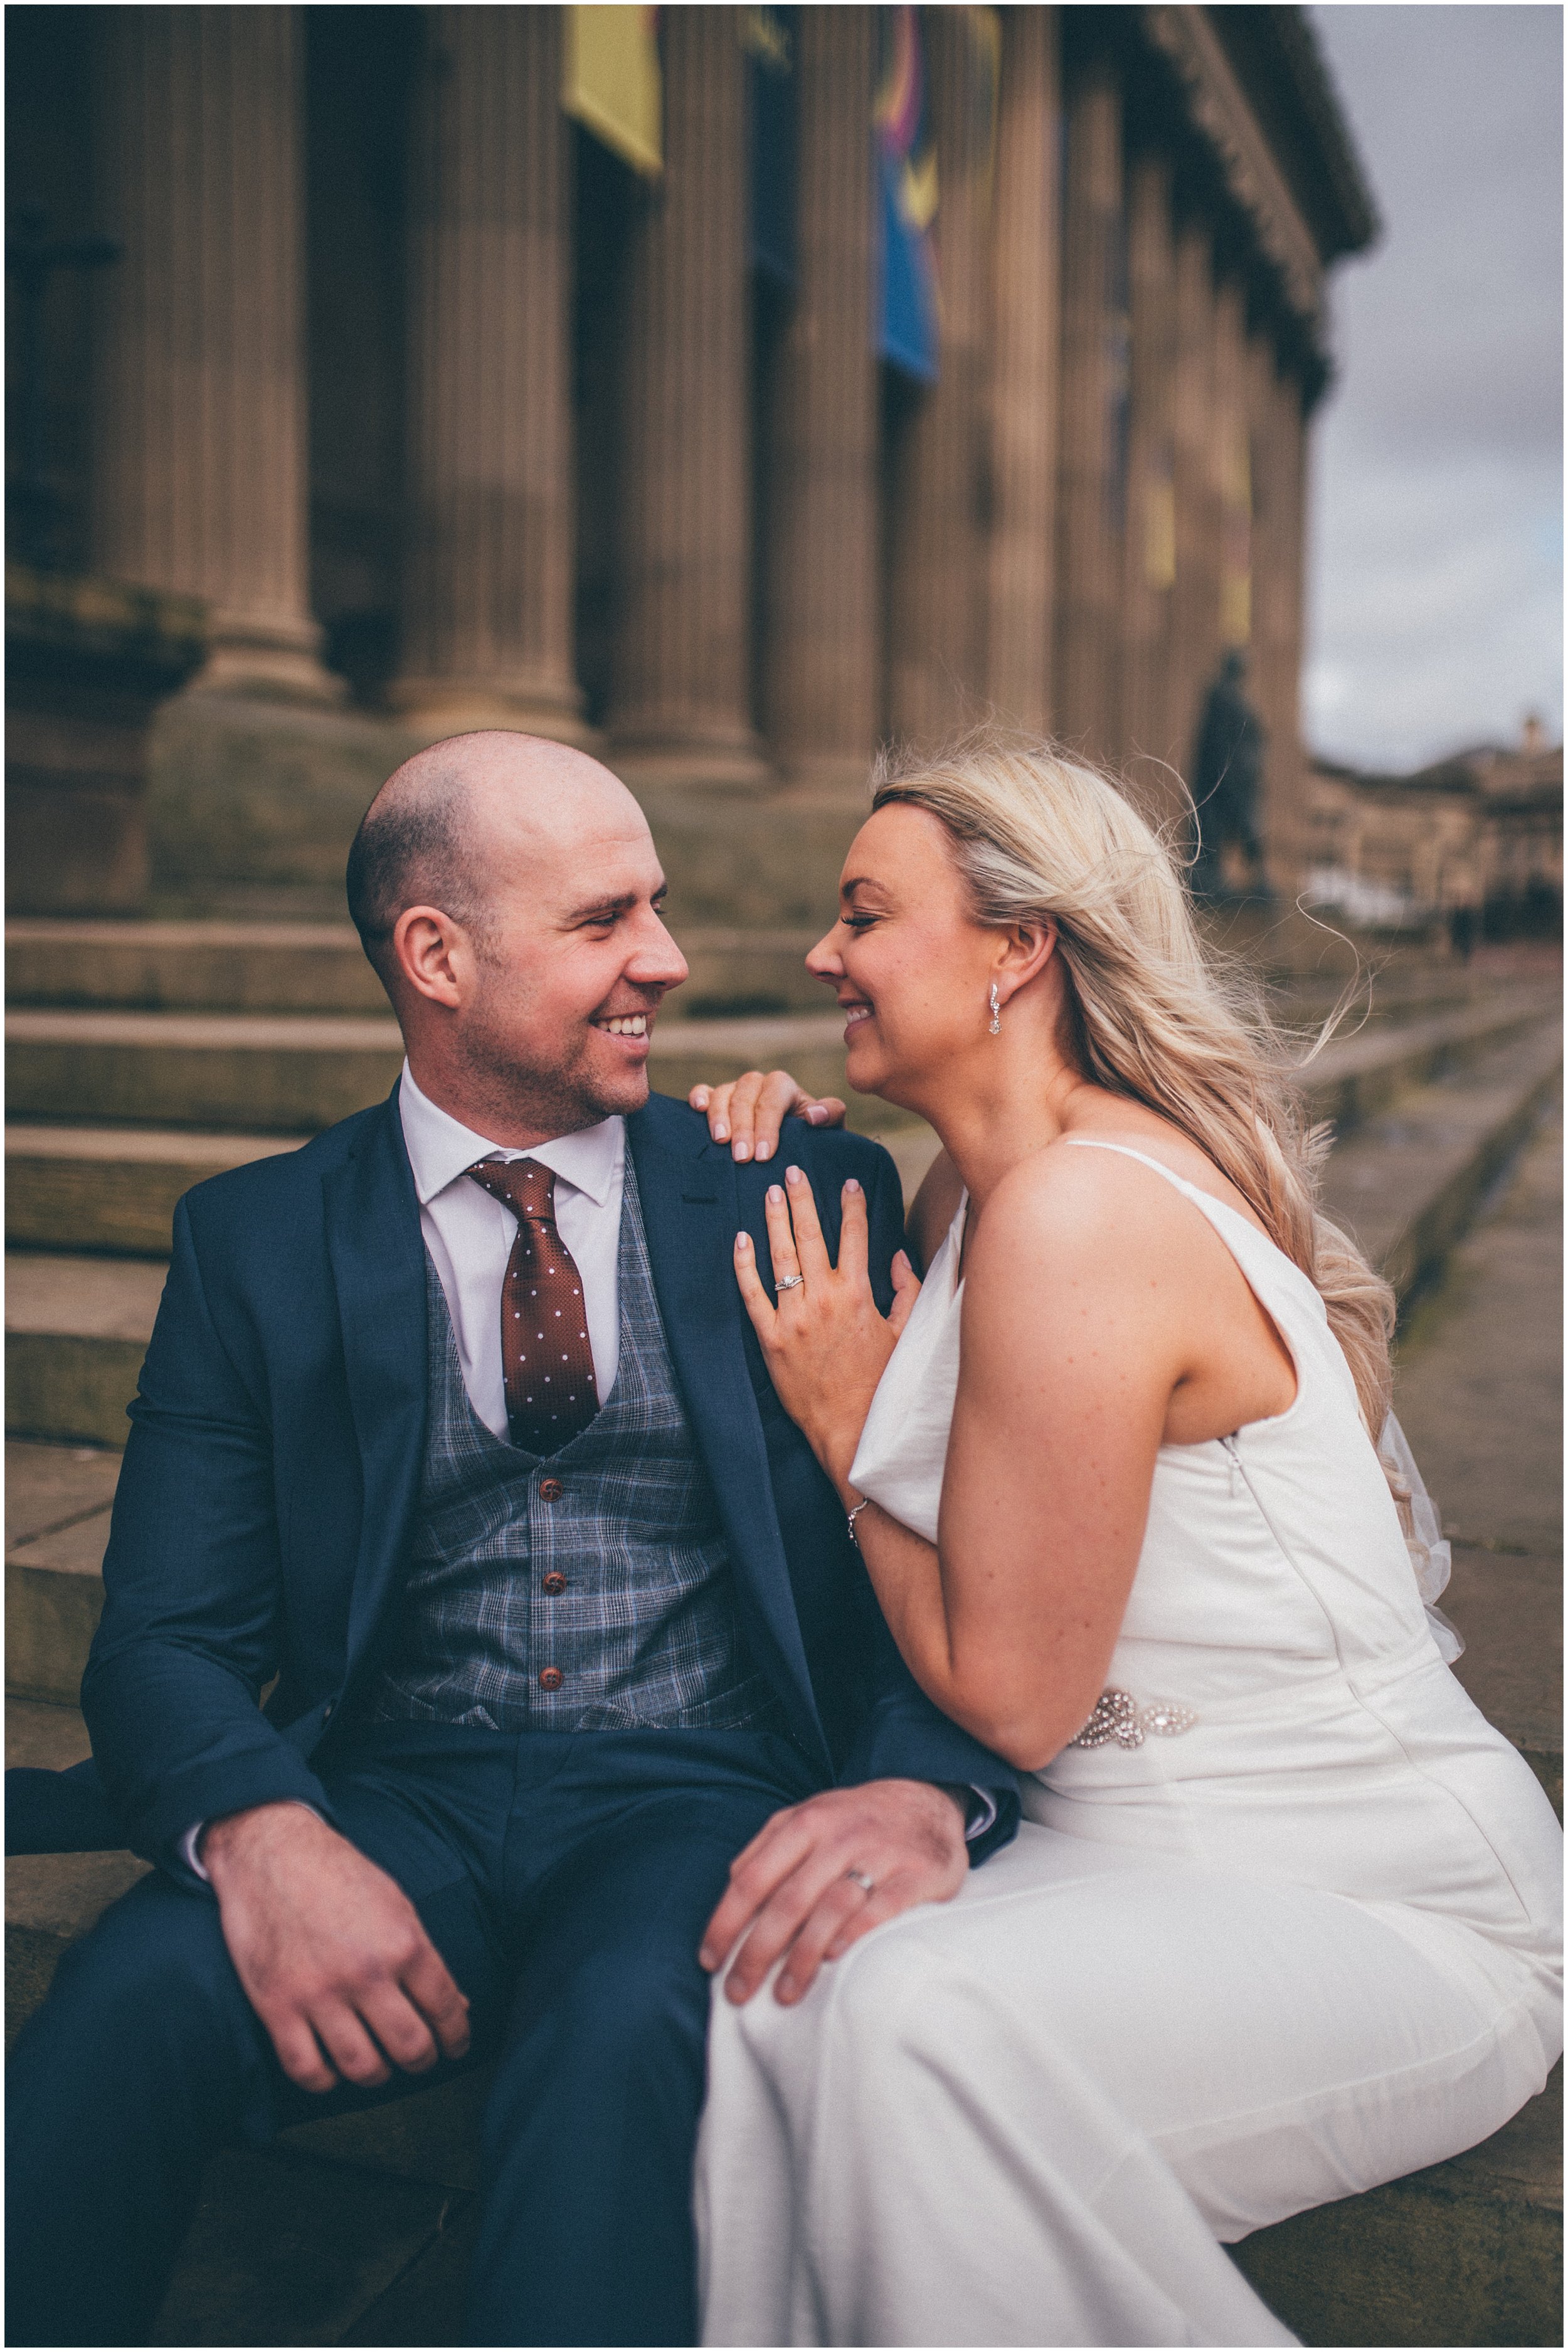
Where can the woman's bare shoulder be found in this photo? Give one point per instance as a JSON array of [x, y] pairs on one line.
[[1091, 1203]]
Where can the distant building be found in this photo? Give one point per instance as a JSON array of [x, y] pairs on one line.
[[1481, 831], [725, 387]]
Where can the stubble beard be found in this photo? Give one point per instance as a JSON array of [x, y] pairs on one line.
[[560, 1093]]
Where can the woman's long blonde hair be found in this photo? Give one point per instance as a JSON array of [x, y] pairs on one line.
[[1156, 1014]]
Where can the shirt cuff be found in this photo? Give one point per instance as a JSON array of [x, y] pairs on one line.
[[979, 1807], [980, 1813], [187, 1846]]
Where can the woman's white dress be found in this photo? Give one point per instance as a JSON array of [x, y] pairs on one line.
[[1291, 1928]]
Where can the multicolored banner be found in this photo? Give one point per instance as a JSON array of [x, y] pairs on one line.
[[905, 159], [612, 84], [768, 38]]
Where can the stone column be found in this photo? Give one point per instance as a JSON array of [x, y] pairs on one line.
[[820, 644], [1275, 407], [678, 712], [1025, 338], [1231, 456], [1094, 364], [487, 600], [1148, 734], [199, 473], [1195, 618], [937, 583]]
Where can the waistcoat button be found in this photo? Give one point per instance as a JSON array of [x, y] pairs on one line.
[[552, 1678], [551, 1490], [552, 1580]]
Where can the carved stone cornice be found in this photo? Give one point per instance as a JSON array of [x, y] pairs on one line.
[[1220, 114]]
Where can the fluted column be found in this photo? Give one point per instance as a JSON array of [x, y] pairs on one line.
[[487, 601], [1027, 344], [1231, 457], [199, 471], [937, 567], [1277, 555], [819, 646], [1094, 364], [1148, 734], [1194, 619], [680, 711]]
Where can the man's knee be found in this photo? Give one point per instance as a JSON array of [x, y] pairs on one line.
[[153, 1974]]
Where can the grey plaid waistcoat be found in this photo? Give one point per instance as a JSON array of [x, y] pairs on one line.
[[587, 1590]]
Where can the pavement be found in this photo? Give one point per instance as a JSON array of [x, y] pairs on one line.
[[1479, 1390]]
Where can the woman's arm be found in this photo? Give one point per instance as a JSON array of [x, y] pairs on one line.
[[1077, 1323]]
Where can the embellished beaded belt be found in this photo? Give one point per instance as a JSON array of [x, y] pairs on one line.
[[1118, 1715]]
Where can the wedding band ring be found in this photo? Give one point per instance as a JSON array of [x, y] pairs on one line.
[[790, 1282], [867, 1885]]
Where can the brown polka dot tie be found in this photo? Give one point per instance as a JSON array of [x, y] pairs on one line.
[[546, 1360]]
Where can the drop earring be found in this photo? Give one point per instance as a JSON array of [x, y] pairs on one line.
[[995, 1012]]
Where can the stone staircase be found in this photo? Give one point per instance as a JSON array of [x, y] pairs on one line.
[[145, 1057]]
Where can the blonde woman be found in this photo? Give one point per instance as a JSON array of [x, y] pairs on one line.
[[1282, 1922]]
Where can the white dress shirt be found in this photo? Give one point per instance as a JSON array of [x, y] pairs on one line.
[[469, 1234]]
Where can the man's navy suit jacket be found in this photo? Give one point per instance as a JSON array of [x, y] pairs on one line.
[[273, 1469]]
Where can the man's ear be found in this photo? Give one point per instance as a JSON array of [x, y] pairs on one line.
[[433, 954]]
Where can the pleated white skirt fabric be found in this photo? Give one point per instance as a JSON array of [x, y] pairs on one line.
[[1030, 2116]]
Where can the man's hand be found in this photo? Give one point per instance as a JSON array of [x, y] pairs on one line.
[[747, 1113], [330, 1950], [796, 1887]]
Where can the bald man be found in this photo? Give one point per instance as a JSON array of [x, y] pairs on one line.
[[453, 1447]]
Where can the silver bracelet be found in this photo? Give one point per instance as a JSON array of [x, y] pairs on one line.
[[849, 1522]]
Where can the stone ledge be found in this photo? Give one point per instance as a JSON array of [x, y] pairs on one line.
[[1469, 2251]]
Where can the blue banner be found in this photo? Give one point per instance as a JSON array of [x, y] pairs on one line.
[[906, 167]]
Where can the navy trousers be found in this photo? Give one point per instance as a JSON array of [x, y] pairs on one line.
[[566, 1879]]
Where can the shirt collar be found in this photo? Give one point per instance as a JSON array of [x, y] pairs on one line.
[[441, 1149]]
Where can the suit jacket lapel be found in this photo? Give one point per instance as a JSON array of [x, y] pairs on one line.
[[691, 1215], [378, 1269]]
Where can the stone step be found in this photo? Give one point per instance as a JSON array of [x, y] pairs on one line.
[[297, 967], [112, 1189], [1469, 2251], [57, 1501], [1406, 1179], [292, 1074], [75, 1332], [1356, 1077]]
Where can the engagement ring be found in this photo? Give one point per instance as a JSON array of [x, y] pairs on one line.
[[790, 1282], [867, 1885]]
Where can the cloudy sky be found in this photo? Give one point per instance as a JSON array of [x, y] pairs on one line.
[[1437, 609]]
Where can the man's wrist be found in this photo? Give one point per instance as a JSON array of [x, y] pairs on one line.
[[211, 1843]]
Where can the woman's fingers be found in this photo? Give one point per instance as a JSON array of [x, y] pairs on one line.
[[748, 1112], [853, 1232], [811, 1249], [758, 1305], [906, 1290], [780, 1238]]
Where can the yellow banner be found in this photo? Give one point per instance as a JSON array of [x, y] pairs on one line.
[[611, 82]]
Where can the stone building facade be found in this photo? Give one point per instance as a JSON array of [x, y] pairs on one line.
[[451, 418], [1481, 831]]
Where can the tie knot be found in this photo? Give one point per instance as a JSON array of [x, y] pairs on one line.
[[527, 1188]]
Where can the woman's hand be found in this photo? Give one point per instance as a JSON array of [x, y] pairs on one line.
[[747, 1112], [825, 1343]]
